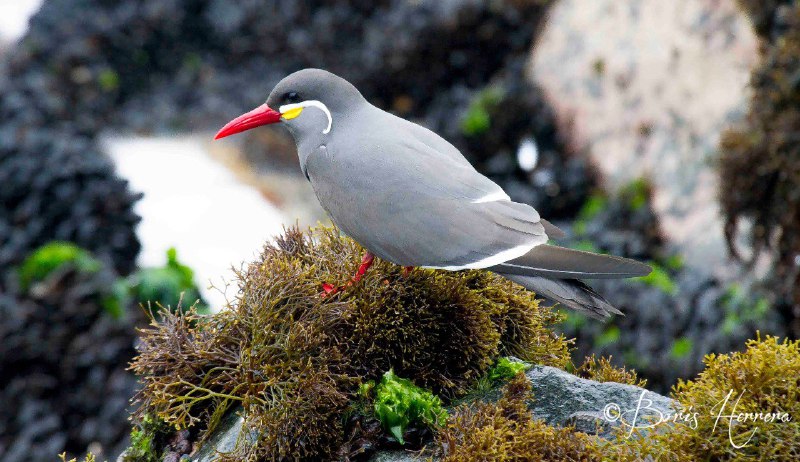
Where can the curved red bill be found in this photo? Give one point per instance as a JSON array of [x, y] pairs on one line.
[[262, 115]]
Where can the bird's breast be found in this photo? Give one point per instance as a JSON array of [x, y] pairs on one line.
[[348, 190]]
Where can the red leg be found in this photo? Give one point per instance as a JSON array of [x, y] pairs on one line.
[[366, 262], [407, 270]]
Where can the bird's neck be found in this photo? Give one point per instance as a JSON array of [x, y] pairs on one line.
[[307, 143]]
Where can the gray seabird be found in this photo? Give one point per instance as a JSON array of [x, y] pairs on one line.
[[410, 197]]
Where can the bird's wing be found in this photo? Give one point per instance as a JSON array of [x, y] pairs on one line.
[[553, 231], [431, 230], [420, 207], [432, 140], [571, 293], [485, 189], [448, 174]]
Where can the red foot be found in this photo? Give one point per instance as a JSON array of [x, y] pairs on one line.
[[366, 262]]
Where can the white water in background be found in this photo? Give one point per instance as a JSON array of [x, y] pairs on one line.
[[191, 202], [14, 15], [195, 204]]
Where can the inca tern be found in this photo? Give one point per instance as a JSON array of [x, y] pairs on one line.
[[410, 197]]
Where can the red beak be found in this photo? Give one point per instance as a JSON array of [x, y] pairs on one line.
[[262, 115]]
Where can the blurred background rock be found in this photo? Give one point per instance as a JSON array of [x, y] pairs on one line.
[[605, 117]]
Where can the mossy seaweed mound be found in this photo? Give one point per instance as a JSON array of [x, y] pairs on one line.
[[295, 359], [755, 394], [730, 404]]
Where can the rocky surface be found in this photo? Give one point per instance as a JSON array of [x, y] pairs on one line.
[[650, 85], [558, 397]]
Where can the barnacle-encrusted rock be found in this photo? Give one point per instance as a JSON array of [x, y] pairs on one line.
[[57, 186], [63, 354]]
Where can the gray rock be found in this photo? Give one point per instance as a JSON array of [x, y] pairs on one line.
[[396, 456], [224, 439], [562, 399], [228, 434]]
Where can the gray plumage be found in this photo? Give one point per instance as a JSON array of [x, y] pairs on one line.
[[410, 197]]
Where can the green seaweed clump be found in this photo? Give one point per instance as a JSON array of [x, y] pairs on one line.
[[477, 119], [55, 258], [147, 439], [295, 360], [51, 257], [399, 403], [507, 431], [506, 369], [167, 284], [660, 278]]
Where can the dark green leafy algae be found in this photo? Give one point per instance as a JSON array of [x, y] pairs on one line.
[[295, 360]]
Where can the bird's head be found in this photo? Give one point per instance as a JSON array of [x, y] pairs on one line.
[[308, 102]]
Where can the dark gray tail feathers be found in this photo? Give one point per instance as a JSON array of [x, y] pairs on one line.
[[562, 263], [571, 293]]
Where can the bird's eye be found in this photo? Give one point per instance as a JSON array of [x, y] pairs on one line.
[[292, 97]]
